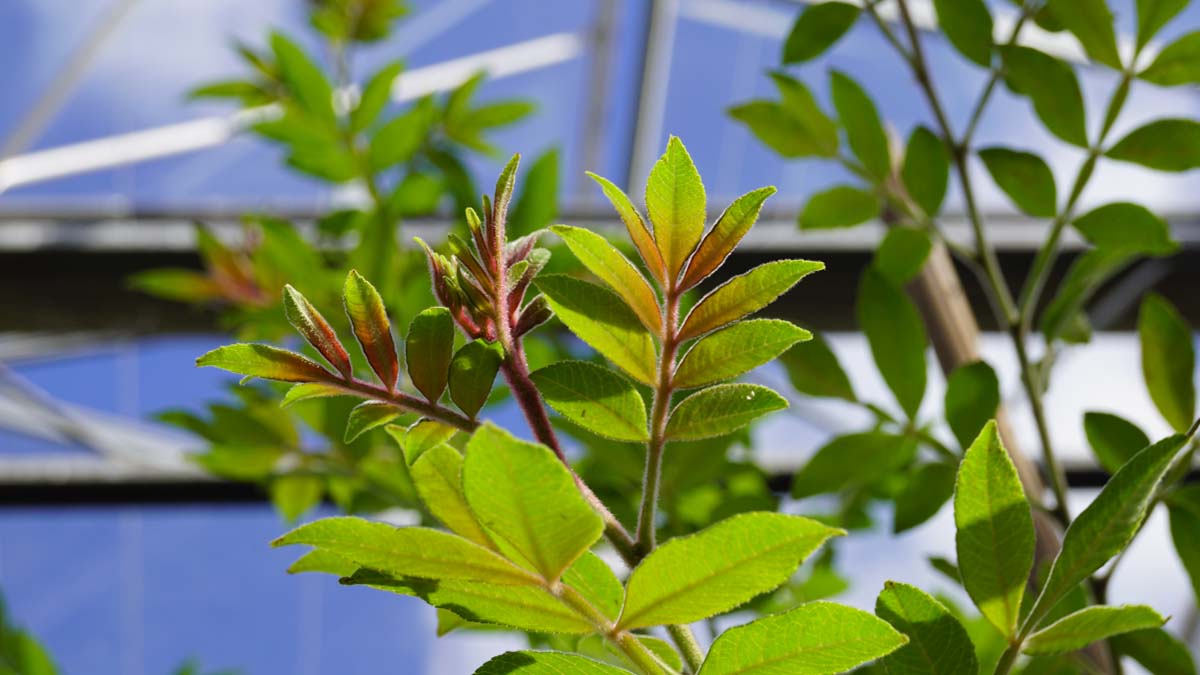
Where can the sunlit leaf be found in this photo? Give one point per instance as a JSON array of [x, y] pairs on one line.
[[719, 568], [995, 535], [316, 330], [437, 475], [902, 254], [1153, 15], [368, 318], [720, 241], [369, 415], [1078, 630], [641, 236], [817, 638], [265, 361], [595, 398], [937, 642], [1114, 440], [675, 201], [606, 262], [721, 410], [1052, 87], [599, 318], [735, 350], [1178, 63], [375, 96], [745, 294], [1126, 226], [926, 170], [303, 77]]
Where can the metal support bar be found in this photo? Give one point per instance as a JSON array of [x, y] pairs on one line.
[[652, 92]]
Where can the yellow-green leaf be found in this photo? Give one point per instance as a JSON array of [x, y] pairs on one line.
[[721, 410], [606, 262], [937, 642], [595, 398], [369, 415], [676, 204], [437, 475], [736, 349], [745, 294], [265, 361], [641, 236], [1080, 629]]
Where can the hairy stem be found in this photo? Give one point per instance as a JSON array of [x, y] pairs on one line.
[[685, 640], [658, 424]]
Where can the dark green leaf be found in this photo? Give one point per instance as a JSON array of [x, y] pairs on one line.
[[745, 294], [1084, 276], [861, 122], [1157, 650], [369, 415], [1025, 178], [399, 139], [721, 410], [929, 487], [1052, 87], [428, 349], [817, 29], [735, 350], [926, 170], [902, 254], [601, 319], [1091, 22], [305, 80], [1153, 15], [594, 397], [1168, 360], [852, 460], [1184, 509], [995, 535], [719, 568], [897, 338], [1178, 64], [837, 207], [1165, 145], [1128, 227], [937, 643], [525, 496], [1114, 440], [1109, 523], [472, 372], [967, 24], [818, 638], [972, 397], [375, 96], [813, 369], [1078, 630]]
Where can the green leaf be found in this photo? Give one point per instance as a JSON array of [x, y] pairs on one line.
[[1025, 178], [929, 487], [1157, 650], [1168, 360], [1126, 226], [719, 568], [817, 29], [1052, 87], [375, 96], [902, 254], [176, 284], [1080, 629], [818, 638], [606, 262], [861, 122], [265, 361], [599, 318], [720, 241], [525, 496], [428, 349], [529, 608], [407, 551], [437, 475], [850, 460], [675, 202], [937, 642], [596, 582], [294, 495], [995, 535], [837, 207], [972, 397], [400, 138], [420, 437], [745, 294], [546, 663], [1114, 440], [1091, 22], [795, 126], [594, 397], [639, 234], [736, 349], [318, 560], [1165, 145], [310, 390], [1083, 277], [303, 77], [369, 320], [1153, 15], [369, 415], [1184, 510], [926, 170], [813, 369], [897, 337], [1178, 63], [721, 410], [1109, 523], [472, 372], [967, 24]]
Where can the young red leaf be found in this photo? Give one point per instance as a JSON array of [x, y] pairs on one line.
[[306, 319], [265, 361], [725, 235], [369, 319]]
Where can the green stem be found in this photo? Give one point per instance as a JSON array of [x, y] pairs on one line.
[[685, 640], [1033, 390], [647, 524], [985, 97], [1008, 659]]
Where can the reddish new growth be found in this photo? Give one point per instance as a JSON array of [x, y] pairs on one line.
[[483, 282]]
